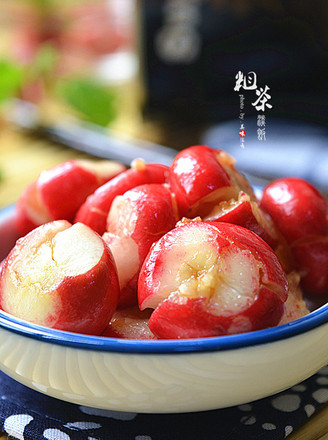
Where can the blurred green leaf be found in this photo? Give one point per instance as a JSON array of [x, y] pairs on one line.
[[94, 102], [11, 78], [41, 4], [45, 60]]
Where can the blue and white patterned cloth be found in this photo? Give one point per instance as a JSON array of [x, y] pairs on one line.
[[29, 415]]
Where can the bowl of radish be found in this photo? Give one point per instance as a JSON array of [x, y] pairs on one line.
[[160, 288]]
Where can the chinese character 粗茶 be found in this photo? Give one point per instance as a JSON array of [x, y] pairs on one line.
[[247, 82], [262, 100]]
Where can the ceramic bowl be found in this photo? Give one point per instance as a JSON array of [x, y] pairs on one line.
[[159, 376]]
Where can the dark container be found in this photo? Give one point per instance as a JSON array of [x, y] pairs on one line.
[[192, 50]]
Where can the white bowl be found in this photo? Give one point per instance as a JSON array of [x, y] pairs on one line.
[[159, 376]]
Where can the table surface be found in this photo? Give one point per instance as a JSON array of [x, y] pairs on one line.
[[22, 158]]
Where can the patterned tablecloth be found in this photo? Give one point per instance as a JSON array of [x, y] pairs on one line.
[[29, 415]]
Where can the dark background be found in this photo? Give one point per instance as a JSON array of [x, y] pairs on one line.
[[284, 42]]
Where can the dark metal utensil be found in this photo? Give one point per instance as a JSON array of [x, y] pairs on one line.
[[87, 137]]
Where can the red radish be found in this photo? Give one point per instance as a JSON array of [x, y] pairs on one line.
[[58, 193], [297, 208], [130, 323], [62, 276], [95, 209], [300, 212], [202, 177], [312, 261], [295, 306], [135, 221], [210, 279], [246, 212]]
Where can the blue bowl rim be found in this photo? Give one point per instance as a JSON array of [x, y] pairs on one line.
[[129, 346], [211, 344]]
